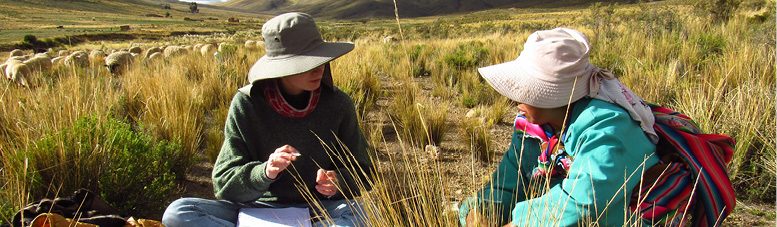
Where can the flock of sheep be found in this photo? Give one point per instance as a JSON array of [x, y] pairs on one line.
[[19, 67]]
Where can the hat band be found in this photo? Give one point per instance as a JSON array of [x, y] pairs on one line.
[[282, 53]]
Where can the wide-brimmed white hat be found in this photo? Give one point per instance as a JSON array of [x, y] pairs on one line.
[[552, 63], [293, 45]]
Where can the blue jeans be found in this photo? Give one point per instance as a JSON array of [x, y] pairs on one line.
[[188, 212]]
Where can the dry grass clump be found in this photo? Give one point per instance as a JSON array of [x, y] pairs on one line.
[[477, 135]]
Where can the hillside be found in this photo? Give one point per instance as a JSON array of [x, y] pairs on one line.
[[365, 8], [353, 9], [101, 19]]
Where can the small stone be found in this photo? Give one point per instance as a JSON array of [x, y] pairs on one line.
[[471, 113], [433, 151]]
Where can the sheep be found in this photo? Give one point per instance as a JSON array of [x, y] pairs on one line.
[[44, 54], [174, 50], [198, 46], [7, 62], [223, 47], [5, 65], [96, 57], [118, 62], [18, 72], [57, 60], [63, 53], [16, 52], [207, 50], [151, 51], [390, 39], [17, 58], [136, 50], [77, 59], [251, 45], [39, 64], [155, 56]]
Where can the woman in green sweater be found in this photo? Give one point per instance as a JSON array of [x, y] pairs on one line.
[[581, 141], [290, 137]]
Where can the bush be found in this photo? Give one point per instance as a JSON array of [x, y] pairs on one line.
[[467, 56], [709, 48], [130, 170], [719, 10], [30, 39]]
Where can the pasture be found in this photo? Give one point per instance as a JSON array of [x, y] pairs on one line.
[[148, 136]]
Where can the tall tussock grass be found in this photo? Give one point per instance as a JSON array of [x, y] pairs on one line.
[[160, 117]]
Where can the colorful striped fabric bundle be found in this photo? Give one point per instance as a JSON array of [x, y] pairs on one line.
[[700, 177]]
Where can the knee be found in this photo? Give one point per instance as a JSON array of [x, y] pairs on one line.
[[171, 217]]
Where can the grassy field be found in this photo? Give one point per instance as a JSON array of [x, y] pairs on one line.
[[133, 137], [146, 19]]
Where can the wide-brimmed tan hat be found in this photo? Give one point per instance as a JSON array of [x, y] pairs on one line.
[[551, 64], [293, 45]]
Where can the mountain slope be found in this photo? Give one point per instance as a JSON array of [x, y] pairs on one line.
[[346, 9]]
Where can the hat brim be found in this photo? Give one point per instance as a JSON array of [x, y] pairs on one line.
[[515, 81], [267, 68]]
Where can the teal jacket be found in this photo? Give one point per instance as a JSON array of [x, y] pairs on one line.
[[610, 151], [253, 130]]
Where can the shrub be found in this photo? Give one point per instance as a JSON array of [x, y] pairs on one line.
[[30, 39], [722, 10], [128, 168], [709, 47], [468, 101], [467, 56]]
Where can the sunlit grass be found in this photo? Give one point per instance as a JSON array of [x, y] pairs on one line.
[[721, 75]]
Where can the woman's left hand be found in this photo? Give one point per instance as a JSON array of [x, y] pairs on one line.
[[326, 181]]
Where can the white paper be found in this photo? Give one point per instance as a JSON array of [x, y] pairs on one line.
[[273, 217]]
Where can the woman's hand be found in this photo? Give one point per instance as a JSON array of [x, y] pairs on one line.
[[474, 219], [279, 160], [327, 182]]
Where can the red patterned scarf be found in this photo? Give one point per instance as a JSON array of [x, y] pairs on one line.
[[272, 94]]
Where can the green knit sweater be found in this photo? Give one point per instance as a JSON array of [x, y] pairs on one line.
[[253, 131]]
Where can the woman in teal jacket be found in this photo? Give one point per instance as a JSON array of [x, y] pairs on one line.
[[581, 142]]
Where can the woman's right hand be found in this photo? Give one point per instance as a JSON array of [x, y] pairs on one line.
[[279, 160]]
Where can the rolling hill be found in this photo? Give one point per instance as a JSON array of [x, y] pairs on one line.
[[350, 9], [353, 9], [101, 19]]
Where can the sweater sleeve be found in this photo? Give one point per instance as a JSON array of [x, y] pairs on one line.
[[609, 150], [235, 176], [356, 168]]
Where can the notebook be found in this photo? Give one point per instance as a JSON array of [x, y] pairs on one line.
[[274, 217]]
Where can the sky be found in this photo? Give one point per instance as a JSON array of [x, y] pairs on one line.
[[204, 1]]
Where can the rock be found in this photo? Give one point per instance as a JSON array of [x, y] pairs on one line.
[[471, 113], [433, 151]]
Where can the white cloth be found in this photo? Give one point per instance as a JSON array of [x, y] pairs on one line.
[[604, 86]]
